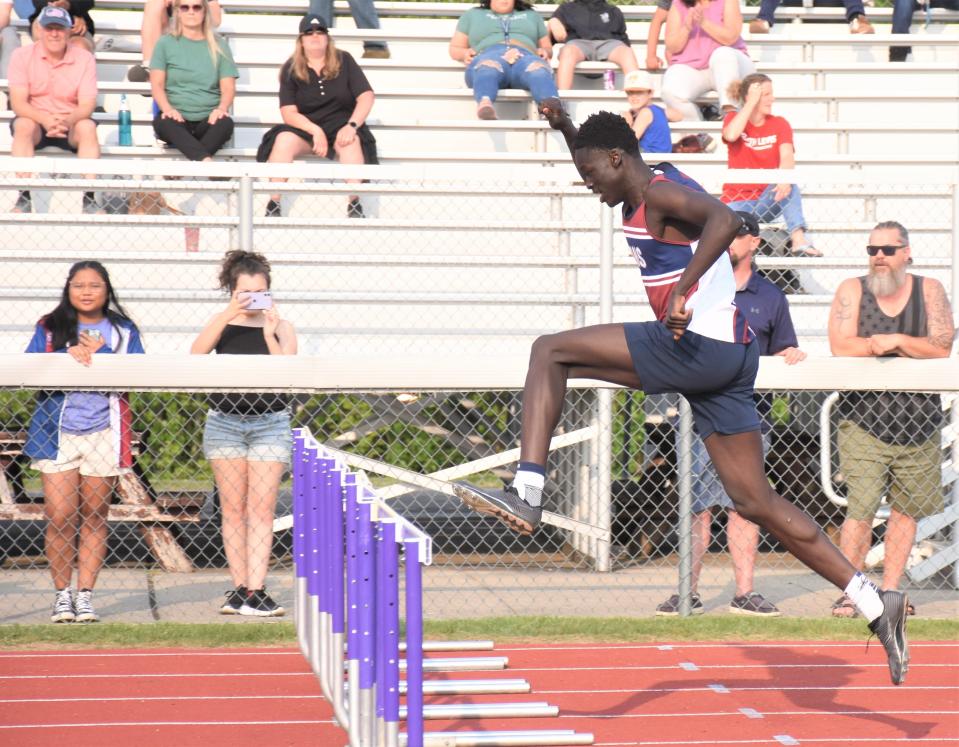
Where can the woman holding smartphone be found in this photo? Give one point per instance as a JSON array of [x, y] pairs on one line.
[[80, 441], [247, 436]]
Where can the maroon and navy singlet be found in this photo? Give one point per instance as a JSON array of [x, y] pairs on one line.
[[662, 263]]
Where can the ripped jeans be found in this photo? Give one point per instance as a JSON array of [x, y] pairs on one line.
[[488, 72]]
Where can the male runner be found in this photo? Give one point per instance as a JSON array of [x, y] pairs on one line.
[[700, 347]]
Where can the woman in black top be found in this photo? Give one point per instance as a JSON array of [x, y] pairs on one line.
[[83, 30], [247, 437], [324, 101]]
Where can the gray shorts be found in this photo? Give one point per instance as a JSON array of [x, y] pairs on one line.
[[596, 50]]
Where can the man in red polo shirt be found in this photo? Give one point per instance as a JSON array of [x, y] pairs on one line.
[[53, 91]]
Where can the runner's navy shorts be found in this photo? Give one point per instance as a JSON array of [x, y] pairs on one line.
[[716, 377]]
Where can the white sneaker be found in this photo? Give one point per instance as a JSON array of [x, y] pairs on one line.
[[84, 607], [63, 610]]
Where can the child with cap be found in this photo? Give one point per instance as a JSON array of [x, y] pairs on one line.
[[649, 121]]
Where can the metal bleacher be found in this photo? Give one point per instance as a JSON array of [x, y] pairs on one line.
[[864, 128]]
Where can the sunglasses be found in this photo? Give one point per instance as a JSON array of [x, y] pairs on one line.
[[887, 250], [188, 8]]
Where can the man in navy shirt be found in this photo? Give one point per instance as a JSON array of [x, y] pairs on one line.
[[767, 311]]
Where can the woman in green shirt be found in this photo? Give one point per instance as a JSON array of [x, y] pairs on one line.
[[504, 44], [193, 78]]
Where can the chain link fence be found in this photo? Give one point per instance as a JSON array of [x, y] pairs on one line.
[[471, 265]]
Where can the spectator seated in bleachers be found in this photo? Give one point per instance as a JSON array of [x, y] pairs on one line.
[[650, 122], [757, 139], [590, 30], [53, 91], [193, 78], [653, 61], [157, 18], [324, 101], [707, 53], [364, 16], [9, 38], [81, 34], [855, 16], [902, 12], [504, 44]]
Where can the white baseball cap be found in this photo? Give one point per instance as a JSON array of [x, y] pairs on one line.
[[638, 80]]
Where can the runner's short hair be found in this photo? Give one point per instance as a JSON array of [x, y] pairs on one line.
[[606, 131]]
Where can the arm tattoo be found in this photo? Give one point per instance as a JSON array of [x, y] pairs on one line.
[[939, 327], [843, 309]]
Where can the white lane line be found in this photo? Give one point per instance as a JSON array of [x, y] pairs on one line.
[[688, 666], [750, 713], [149, 675], [146, 698], [766, 689], [719, 688], [826, 740], [109, 724], [583, 647], [716, 714], [787, 740]]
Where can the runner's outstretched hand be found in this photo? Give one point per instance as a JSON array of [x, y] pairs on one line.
[[554, 112]]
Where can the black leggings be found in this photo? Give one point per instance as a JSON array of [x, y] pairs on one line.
[[195, 140]]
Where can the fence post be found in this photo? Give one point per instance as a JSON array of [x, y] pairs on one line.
[[245, 210], [601, 515], [684, 467]]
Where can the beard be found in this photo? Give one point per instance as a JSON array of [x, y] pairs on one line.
[[886, 283]]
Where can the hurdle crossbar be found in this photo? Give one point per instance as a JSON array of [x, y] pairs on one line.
[[346, 548]]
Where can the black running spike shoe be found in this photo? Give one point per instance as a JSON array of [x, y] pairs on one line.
[[890, 629], [505, 505]]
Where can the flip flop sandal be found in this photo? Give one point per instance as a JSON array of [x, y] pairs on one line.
[[844, 608], [806, 250]]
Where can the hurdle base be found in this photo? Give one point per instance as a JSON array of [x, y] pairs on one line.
[[472, 687], [486, 710], [462, 664], [433, 646]]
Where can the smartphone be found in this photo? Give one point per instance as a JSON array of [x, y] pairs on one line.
[[258, 300], [94, 333]]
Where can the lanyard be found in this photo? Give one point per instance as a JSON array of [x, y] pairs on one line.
[[505, 23]]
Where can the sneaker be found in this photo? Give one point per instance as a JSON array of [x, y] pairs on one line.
[[486, 110], [890, 629], [711, 113], [354, 209], [84, 607], [670, 608], [505, 505], [860, 25], [273, 210], [24, 203], [376, 53], [706, 142], [754, 604], [63, 611], [234, 601], [758, 26], [138, 74], [260, 604]]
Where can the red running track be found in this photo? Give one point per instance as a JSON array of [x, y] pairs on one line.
[[668, 694]]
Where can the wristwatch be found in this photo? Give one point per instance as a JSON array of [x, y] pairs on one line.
[[353, 124]]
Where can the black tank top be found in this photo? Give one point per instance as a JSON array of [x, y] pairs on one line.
[[238, 339], [901, 418]]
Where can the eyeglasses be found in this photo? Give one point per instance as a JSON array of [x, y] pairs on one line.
[[888, 250], [187, 8], [87, 286]]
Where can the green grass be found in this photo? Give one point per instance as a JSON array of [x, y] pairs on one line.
[[501, 630]]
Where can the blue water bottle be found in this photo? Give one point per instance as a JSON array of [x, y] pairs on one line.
[[125, 122]]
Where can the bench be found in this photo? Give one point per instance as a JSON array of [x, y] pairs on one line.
[[136, 504]]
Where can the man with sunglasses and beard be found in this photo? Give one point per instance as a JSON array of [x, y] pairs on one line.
[[889, 442]]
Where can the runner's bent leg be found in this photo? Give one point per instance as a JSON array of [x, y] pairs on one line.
[[738, 459], [597, 352]]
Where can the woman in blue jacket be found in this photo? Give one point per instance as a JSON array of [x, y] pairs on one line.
[[81, 441]]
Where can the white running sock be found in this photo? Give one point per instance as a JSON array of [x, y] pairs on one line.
[[865, 596], [526, 479]]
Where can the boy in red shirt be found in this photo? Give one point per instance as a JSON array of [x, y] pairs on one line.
[[757, 139]]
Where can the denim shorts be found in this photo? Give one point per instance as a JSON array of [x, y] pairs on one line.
[[256, 438]]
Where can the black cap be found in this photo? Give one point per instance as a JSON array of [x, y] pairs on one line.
[[750, 225], [312, 22]]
